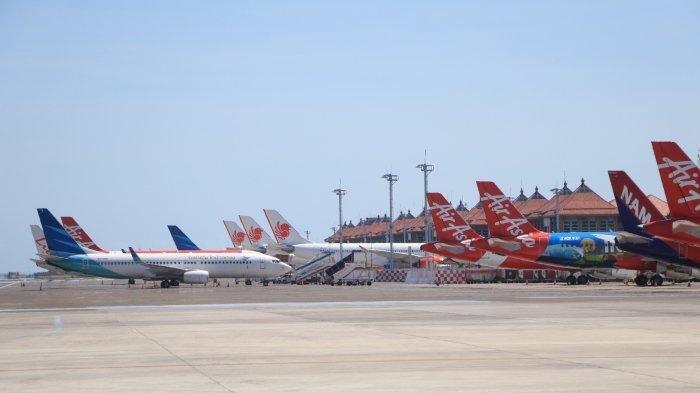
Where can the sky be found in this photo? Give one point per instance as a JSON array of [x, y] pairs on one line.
[[134, 115]]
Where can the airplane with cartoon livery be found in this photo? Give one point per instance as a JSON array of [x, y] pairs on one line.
[[589, 253], [454, 236], [675, 259], [170, 268], [376, 254], [679, 177]]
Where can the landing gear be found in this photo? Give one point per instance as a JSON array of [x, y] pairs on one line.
[[265, 283], [657, 280], [165, 284], [174, 283], [582, 279], [248, 282], [641, 280], [132, 281], [571, 280]]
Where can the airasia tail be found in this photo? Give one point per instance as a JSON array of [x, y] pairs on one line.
[[674, 259], [679, 177], [454, 238], [590, 253]]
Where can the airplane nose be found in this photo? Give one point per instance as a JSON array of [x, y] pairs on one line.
[[285, 268]]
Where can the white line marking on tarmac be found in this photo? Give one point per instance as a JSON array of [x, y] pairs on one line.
[[57, 324], [252, 305], [9, 285]]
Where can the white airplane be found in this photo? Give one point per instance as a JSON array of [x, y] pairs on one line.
[[169, 267], [42, 251], [375, 254]]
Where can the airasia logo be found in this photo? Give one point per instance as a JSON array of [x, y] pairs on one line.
[[684, 174], [238, 237], [499, 204], [255, 234], [282, 230], [446, 215]]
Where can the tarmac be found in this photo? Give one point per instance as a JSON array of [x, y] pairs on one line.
[[86, 336]]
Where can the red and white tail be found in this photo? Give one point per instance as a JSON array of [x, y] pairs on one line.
[[450, 227], [257, 236], [284, 231], [42, 249], [237, 235], [679, 176], [503, 218], [79, 235]]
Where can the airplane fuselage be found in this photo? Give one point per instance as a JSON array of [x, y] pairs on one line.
[[217, 264]]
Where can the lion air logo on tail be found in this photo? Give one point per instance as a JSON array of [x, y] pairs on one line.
[[255, 234], [281, 230], [238, 237]]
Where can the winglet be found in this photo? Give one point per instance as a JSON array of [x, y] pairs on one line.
[[136, 257]]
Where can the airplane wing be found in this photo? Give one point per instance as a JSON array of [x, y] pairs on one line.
[[158, 271], [398, 256]]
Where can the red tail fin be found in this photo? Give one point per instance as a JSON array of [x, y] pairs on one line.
[[504, 220], [449, 225], [79, 235], [629, 196], [679, 176]]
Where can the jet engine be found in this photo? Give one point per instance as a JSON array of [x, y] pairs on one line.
[[195, 277]]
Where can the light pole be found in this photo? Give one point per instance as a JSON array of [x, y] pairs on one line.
[[340, 192], [426, 169], [391, 178], [556, 190]]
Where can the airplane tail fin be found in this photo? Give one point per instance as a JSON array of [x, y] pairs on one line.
[[257, 236], [42, 249], [634, 207], [79, 235], [237, 235], [679, 176], [449, 225], [503, 218], [59, 242], [284, 231], [182, 241]]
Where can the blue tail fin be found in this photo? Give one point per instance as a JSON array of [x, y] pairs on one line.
[[182, 242], [60, 243]]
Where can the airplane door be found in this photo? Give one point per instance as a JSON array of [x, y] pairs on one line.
[[262, 265], [683, 250]]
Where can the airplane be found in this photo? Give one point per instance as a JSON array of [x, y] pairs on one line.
[[675, 259], [589, 253], [237, 235], [377, 254], [454, 236], [679, 177], [170, 268]]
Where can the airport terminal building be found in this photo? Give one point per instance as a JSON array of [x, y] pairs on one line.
[[568, 210]]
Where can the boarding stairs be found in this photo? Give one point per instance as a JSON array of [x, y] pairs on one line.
[[312, 267]]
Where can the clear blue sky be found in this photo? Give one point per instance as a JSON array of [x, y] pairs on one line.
[[134, 115]]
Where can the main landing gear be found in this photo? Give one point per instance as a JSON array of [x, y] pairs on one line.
[[580, 280], [655, 280], [169, 283], [132, 281]]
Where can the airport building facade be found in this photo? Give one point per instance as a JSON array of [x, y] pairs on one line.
[[568, 210]]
